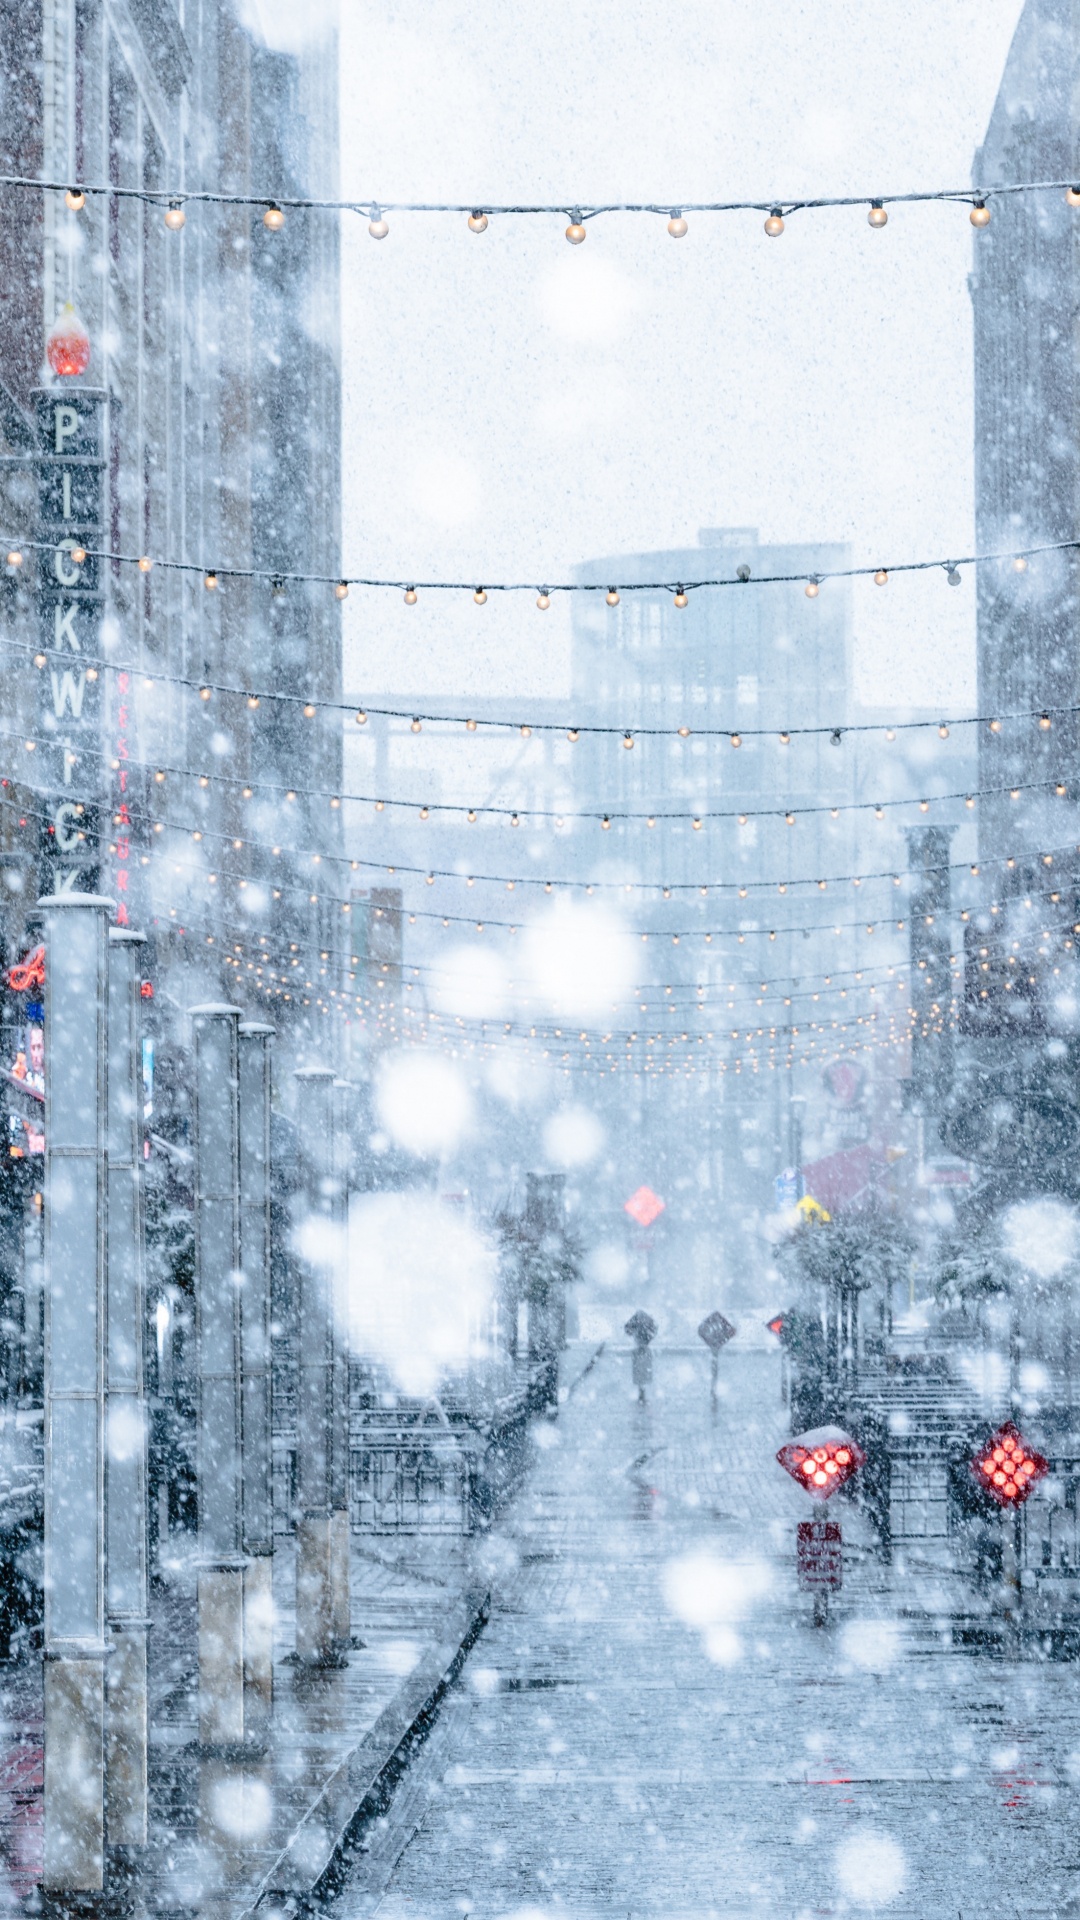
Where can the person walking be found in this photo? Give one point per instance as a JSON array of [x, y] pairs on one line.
[[641, 1329]]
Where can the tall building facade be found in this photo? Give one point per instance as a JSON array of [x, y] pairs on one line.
[[206, 431], [755, 947], [1015, 1107], [1027, 455]]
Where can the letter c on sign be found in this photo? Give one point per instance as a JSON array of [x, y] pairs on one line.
[[68, 576], [67, 831]]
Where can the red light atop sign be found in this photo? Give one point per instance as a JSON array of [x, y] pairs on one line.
[[776, 1325], [644, 1206], [1007, 1468], [822, 1460], [67, 347]]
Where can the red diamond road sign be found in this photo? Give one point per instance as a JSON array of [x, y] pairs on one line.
[[1006, 1467], [644, 1206], [821, 1460]]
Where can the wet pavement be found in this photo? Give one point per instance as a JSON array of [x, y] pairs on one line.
[[224, 1828], [651, 1725]]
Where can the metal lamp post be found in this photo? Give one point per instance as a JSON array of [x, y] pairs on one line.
[[76, 940], [341, 1599], [258, 1498], [315, 1425], [218, 1294], [125, 1461]]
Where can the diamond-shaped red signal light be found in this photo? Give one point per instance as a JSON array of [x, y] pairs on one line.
[[644, 1206], [1007, 1468], [821, 1460], [776, 1325]]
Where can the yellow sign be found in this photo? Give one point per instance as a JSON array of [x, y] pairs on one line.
[[812, 1209]]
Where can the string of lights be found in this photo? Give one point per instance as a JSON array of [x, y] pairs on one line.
[[528, 815], [237, 843], [278, 580], [254, 697], [800, 989], [568, 1038], [569, 1035], [174, 200], [742, 888]]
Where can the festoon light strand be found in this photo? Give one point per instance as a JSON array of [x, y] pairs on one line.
[[478, 215]]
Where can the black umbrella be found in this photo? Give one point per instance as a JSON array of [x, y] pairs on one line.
[[641, 1327], [716, 1331]]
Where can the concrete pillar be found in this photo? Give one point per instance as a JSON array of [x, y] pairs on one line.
[[315, 1383], [126, 1598], [76, 969], [341, 1600], [218, 1295], [258, 1491]]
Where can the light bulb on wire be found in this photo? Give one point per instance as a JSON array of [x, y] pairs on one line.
[[575, 232], [877, 215], [881, 578], [75, 199], [478, 222], [612, 597], [812, 589], [480, 597], [676, 226], [543, 600], [174, 216], [273, 218], [980, 214], [774, 225], [377, 226], [1072, 196]]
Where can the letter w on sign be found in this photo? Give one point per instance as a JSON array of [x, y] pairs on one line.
[[68, 690]]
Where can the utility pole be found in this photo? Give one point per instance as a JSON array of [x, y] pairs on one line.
[[125, 1461], [76, 1649], [255, 1055], [218, 1296], [315, 1427]]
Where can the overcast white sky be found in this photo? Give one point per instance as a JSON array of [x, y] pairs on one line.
[[513, 405]]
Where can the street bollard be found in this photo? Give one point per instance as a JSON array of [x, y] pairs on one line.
[[125, 1415], [258, 1495], [76, 1648], [218, 1294]]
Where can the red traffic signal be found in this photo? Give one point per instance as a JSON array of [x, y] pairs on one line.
[[821, 1460], [1007, 1468], [776, 1324]]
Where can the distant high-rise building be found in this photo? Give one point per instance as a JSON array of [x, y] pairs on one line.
[[743, 838], [1024, 280]]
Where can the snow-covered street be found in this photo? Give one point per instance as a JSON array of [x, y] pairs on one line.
[[651, 1725]]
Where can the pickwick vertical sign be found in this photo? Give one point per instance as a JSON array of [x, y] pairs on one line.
[[71, 424]]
